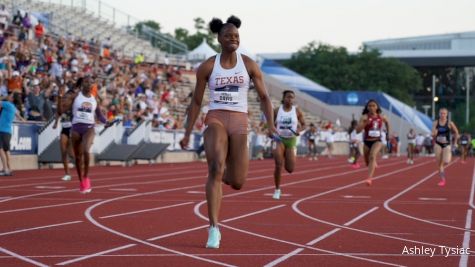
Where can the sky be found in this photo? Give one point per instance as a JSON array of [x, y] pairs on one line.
[[282, 26]]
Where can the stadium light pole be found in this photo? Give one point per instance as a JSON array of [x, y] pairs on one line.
[[467, 85], [433, 97]]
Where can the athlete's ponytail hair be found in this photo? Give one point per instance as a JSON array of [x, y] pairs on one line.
[[216, 25]]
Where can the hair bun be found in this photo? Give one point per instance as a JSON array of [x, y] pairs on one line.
[[215, 25], [235, 21]]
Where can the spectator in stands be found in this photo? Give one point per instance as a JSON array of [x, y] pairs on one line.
[[228, 75], [39, 32], [17, 19], [411, 146], [4, 16], [442, 129], [7, 115], [26, 24], [465, 145], [35, 102], [289, 122], [372, 123]]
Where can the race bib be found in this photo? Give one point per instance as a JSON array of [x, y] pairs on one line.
[[374, 133], [464, 142], [226, 95], [85, 116], [441, 139], [66, 124]]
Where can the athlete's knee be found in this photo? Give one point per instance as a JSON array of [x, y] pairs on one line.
[[237, 185], [216, 168]]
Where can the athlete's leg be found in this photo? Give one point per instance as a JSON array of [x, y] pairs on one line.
[[64, 145], [278, 153], [373, 153], [216, 148], [238, 159], [76, 141], [290, 154], [87, 141]]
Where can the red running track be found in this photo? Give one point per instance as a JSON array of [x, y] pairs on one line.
[[156, 216]]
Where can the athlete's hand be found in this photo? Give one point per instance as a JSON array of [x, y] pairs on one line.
[[272, 131], [184, 142]]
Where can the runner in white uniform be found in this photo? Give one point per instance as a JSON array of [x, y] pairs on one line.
[[225, 138], [289, 121]]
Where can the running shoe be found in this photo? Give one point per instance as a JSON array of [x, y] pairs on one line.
[[441, 183], [214, 237], [67, 177], [85, 186], [369, 182], [276, 194]]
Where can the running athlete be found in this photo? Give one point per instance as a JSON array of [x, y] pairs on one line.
[[356, 140], [65, 136], [83, 106], [372, 123], [465, 145], [312, 139], [411, 146], [289, 122], [228, 75], [441, 130]]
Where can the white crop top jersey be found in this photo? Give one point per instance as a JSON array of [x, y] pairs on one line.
[[228, 87], [286, 120], [84, 109]]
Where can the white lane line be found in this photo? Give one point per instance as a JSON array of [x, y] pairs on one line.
[[123, 189], [196, 192], [145, 210], [39, 227], [472, 190], [206, 225], [283, 194], [88, 215], [50, 206], [387, 207], [200, 215], [385, 235], [49, 187], [356, 197], [23, 258], [95, 254], [171, 234], [466, 239], [433, 198], [318, 239]]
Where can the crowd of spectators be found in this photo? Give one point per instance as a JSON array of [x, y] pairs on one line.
[[34, 64]]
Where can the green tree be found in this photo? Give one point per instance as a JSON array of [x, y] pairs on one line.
[[336, 69], [148, 23], [195, 39]]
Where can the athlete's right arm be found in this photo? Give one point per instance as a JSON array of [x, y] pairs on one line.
[[434, 129], [361, 123], [202, 75]]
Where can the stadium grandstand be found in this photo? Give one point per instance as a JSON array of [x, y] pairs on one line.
[[147, 86]]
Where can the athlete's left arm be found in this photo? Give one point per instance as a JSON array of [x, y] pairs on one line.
[[266, 104], [300, 117], [455, 131], [388, 126]]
